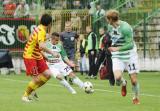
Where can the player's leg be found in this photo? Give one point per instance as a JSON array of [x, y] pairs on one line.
[[44, 73], [40, 74], [133, 69], [118, 68], [36, 82], [135, 88], [31, 87], [72, 58], [65, 84], [31, 70], [56, 74], [67, 71], [76, 80], [79, 82]]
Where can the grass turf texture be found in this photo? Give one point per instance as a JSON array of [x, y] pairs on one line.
[[53, 97]]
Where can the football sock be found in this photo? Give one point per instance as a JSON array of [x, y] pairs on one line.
[[118, 82], [67, 85], [77, 81], [42, 81], [135, 89], [123, 81], [31, 87]]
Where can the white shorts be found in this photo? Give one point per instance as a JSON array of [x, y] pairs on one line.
[[131, 65], [60, 68]]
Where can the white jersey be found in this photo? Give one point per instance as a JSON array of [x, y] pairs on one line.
[[56, 48], [56, 64]]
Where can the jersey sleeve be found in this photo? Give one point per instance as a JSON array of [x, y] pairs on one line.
[[109, 28], [41, 36], [63, 53], [128, 36]]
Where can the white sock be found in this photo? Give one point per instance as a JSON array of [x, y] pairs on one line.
[[77, 81], [67, 85], [135, 89], [123, 81]]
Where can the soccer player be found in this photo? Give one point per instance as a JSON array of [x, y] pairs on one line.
[[58, 68], [124, 54], [36, 66]]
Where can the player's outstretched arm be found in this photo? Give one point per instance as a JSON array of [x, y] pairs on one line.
[[70, 63], [42, 46]]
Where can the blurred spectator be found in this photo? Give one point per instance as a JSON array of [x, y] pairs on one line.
[[9, 7], [92, 7], [77, 5], [60, 4], [130, 4], [49, 4], [92, 51], [99, 18], [22, 10], [83, 55], [33, 5], [100, 12], [101, 50], [6, 2], [76, 22], [106, 4]]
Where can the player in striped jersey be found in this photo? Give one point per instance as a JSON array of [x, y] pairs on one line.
[[124, 54], [36, 66]]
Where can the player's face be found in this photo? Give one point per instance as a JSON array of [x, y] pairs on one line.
[[68, 27], [88, 29], [101, 31], [55, 40]]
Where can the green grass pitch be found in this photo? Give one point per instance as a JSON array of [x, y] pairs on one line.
[[53, 97]]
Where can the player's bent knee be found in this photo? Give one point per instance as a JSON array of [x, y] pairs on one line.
[[44, 77], [118, 78], [47, 73]]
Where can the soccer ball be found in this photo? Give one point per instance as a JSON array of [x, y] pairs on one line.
[[88, 87]]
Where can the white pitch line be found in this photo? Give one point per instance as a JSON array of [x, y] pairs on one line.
[[101, 90]]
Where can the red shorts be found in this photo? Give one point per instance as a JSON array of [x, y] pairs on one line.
[[35, 67]]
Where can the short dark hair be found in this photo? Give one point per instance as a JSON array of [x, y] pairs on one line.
[[55, 34], [46, 19]]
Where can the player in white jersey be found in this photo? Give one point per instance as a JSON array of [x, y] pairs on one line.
[[58, 67], [124, 54]]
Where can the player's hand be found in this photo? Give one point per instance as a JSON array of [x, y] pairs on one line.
[[113, 49], [71, 64], [55, 54]]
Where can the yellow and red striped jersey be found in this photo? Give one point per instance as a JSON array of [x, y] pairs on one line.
[[32, 50]]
